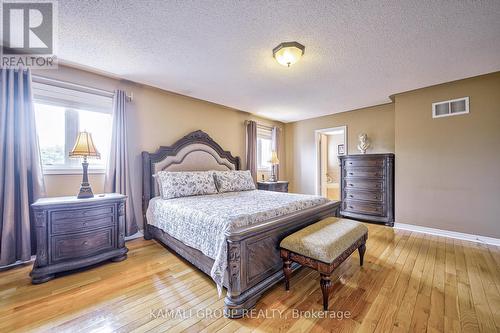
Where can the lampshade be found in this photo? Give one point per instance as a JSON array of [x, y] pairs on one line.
[[84, 146], [274, 158], [288, 53]]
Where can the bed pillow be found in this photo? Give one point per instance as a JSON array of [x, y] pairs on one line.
[[184, 184], [234, 181]]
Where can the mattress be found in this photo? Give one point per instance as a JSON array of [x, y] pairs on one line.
[[202, 221]]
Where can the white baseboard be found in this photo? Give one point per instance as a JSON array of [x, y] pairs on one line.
[[138, 234], [448, 233]]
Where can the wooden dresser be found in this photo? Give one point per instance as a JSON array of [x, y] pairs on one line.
[[73, 233], [367, 187], [279, 186]]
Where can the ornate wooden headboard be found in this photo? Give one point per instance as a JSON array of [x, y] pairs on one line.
[[197, 151]]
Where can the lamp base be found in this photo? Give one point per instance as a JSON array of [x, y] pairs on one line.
[[85, 189], [85, 192], [273, 177]]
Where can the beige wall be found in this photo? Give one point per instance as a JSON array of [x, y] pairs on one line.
[[376, 121], [448, 169], [158, 117]]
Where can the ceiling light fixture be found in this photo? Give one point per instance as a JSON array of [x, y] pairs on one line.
[[288, 53]]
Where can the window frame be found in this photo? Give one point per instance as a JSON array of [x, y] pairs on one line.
[[263, 132], [47, 94]]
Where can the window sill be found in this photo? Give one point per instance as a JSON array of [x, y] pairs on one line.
[[72, 171], [264, 170]]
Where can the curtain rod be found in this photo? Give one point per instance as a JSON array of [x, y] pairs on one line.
[[263, 125], [75, 86]]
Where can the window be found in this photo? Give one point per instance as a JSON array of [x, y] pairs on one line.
[[264, 148], [61, 113]]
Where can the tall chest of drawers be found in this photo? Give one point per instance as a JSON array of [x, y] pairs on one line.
[[73, 233], [367, 187]]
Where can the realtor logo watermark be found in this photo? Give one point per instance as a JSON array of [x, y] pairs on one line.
[[29, 34], [208, 313]]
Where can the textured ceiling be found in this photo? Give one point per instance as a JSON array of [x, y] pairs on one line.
[[357, 52]]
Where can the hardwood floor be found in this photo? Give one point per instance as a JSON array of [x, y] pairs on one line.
[[409, 282]]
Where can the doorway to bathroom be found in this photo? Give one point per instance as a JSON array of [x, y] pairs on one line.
[[330, 143]]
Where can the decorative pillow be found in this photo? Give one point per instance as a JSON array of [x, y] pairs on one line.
[[184, 184], [233, 181]]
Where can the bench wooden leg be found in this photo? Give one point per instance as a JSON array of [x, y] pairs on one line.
[[287, 271], [361, 251], [326, 287]]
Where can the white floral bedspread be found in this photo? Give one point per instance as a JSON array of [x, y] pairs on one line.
[[201, 221]]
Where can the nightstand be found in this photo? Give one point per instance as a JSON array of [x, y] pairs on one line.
[[73, 233], [279, 186]]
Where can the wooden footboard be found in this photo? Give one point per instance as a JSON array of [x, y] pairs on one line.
[[254, 263]]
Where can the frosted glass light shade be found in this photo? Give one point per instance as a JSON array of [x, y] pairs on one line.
[[288, 53]]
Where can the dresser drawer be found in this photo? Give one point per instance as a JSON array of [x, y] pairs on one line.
[[374, 185], [74, 233], [364, 172], [373, 196], [363, 207], [82, 224], [82, 213], [373, 162], [82, 245]]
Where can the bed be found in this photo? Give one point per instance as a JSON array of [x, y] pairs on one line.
[[241, 230]]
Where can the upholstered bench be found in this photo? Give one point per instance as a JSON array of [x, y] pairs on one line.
[[323, 246]]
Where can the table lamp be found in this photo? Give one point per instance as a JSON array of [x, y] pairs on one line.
[[84, 147], [274, 161]]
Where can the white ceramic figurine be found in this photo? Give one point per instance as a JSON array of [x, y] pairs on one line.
[[364, 144]]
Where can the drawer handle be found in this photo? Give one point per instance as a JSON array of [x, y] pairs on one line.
[[351, 196], [352, 185], [350, 173], [351, 207]]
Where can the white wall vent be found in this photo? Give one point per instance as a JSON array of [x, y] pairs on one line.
[[450, 108]]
